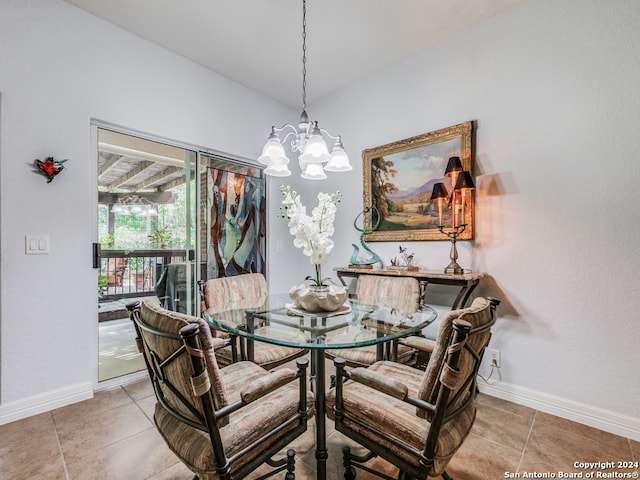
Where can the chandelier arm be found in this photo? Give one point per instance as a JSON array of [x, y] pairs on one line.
[[283, 128], [294, 142], [332, 137], [291, 131]]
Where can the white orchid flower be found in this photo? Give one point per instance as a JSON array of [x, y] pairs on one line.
[[311, 233]]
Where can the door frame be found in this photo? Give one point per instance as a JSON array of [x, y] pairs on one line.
[[192, 290]]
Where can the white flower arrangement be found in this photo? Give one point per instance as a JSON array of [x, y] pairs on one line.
[[311, 233]]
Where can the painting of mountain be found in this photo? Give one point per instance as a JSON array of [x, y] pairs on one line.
[[416, 192]]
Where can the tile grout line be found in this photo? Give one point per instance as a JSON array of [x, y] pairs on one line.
[[64, 461], [526, 442], [631, 456], [137, 404]]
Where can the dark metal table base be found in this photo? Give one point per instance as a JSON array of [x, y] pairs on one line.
[[319, 390]]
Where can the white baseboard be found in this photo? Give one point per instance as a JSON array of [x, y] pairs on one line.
[[122, 380], [12, 411], [612, 422], [606, 420]]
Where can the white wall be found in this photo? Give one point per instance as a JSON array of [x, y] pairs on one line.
[[553, 87], [60, 67]]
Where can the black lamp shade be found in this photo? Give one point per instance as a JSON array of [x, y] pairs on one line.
[[454, 165], [439, 191], [464, 182]]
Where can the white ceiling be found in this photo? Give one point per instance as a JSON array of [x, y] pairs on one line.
[[259, 42]]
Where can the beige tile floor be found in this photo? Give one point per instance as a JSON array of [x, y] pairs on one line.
[[112, 436]]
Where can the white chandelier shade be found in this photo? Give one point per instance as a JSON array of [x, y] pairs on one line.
[[273, 153], [314, 157]]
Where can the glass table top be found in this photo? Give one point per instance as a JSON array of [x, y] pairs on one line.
[[278, 321]]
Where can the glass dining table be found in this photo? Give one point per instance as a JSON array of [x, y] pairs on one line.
[[351, 326]]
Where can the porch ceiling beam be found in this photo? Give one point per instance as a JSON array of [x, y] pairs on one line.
[[156, 178], [135, 147], [172, 184], [109, 164], [125, 178]]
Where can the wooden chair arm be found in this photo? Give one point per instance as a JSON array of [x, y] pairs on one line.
[[376, 381], [419, 343], [267, 384], [217, 342], [379, 382]]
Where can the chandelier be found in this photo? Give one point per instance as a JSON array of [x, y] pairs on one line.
[[313, 154]]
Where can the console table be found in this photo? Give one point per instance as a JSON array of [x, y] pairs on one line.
[[466, 281]]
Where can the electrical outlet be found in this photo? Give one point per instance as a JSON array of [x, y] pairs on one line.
[[493, 357]]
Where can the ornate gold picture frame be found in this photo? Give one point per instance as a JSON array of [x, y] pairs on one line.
[[399, 178]]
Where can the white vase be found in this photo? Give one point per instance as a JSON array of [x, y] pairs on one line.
[[314, 298]]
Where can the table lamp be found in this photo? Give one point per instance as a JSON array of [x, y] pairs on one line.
[[459, 202]]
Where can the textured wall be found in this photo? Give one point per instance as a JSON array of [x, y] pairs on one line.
[[553, 88]]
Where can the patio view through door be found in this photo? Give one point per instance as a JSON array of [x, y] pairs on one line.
[[147, 241]]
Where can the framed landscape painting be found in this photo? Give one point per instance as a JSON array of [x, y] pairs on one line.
[[399, 178]]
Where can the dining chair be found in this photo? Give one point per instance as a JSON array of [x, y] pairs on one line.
[[243, 291], [415, 419], [222, 423], [402, 293]]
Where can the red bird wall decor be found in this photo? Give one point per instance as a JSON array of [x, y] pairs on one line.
[[49, 168]]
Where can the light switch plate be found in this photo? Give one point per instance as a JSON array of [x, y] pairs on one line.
[[36, 244]]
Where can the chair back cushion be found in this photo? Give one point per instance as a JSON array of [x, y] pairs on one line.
[[402, 293], [177, 373], [478, 314], [242, 291]]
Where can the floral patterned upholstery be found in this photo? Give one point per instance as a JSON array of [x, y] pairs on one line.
[[402, 293], [261, 402], [244, 291], [375, 412]]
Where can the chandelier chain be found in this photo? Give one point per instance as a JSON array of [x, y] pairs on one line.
[[304, 55]]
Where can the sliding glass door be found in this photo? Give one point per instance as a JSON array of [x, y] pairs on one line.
[[146, 231], [168, 216]]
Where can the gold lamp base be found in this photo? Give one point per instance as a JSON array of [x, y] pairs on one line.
[[453, 233], [454, 268]]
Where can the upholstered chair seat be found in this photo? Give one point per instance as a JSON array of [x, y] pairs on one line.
[[243, 427]]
